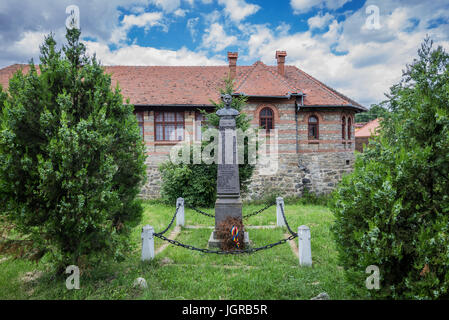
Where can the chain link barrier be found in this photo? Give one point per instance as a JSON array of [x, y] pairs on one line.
[[250, 250], [258, 211], [286, 223], [201, 212], [244, 217], [170, 224], [161, 236]]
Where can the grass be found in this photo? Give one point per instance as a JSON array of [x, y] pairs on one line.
[[178, 273]]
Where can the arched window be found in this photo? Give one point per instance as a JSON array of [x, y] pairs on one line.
[[313, 128], [349, 128], [266, 119], [343, 128]]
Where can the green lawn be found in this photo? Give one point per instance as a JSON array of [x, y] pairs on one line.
[[178, 273]]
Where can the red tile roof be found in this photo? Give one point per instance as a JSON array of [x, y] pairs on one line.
[[190, 85], [368, 130]]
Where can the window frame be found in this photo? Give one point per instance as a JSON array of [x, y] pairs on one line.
[[343, 128], [271, 117], [349, 134], [316, 124], [165, 123]]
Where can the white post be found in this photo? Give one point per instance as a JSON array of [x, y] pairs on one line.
[[280, 222], [180, 215], [304, 248], [147, 243]]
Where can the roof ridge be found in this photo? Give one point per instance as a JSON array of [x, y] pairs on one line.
[[330, 89], [284, 79], [275, 75], [246, 75], [320, 83]]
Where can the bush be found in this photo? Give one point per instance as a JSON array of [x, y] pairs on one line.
[[392, 211], [71, 156], [197, 183]]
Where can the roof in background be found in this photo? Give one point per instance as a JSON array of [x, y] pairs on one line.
[[197, 85], [368, 130]]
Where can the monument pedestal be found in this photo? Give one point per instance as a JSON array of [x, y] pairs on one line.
[[214, 242], [229, 203]]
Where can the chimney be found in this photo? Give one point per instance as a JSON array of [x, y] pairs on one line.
[[232, 58], [280, 57]]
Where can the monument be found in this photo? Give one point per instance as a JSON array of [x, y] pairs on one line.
[[229, 202]]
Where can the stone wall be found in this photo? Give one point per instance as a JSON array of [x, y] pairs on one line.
[[315, 164]]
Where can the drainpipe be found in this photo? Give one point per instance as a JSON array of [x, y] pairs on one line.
[[298, 106]]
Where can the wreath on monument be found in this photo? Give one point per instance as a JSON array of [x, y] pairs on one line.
[[231, 232]]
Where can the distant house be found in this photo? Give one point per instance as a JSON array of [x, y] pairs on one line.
[[315, 123], [363, 134]]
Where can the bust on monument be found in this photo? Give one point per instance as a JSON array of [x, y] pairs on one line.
[[227, 110]]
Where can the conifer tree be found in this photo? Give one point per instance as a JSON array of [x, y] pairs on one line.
[[72, 160]]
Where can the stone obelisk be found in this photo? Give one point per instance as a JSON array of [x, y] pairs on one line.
[[229, 202]]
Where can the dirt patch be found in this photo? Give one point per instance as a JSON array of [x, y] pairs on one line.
[[166, 261], [3, 259], [32, 276]]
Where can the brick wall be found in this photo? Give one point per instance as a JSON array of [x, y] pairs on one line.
[[318, 165]]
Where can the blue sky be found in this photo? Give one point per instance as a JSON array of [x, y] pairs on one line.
[[333, 40]]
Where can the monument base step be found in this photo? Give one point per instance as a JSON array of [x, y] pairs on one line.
[[216, 243]]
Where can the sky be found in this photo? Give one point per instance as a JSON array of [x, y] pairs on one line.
[[356, 47]]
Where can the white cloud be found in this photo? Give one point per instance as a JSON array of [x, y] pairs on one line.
[[180, 13], [374, 59], [238, 10], [137, 55], [29, 42], [167, 5], [303, 6], [212, 17], [216, 39], [145, 20], [319, 21]]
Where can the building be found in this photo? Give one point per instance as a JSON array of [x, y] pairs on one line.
[[363, 134], [314, 122]]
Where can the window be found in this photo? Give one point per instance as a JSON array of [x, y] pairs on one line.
[[343, 128], [169, 126], [199, 122], [313, 128], [266, 119], [139, 116], [349, 128]]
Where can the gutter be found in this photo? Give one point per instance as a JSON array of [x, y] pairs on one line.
[[288, 96]]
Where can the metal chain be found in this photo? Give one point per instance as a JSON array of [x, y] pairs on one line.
[[250, 250], [244, 217], [258, 211], [201, 212], [171, 222], [286, 223]]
